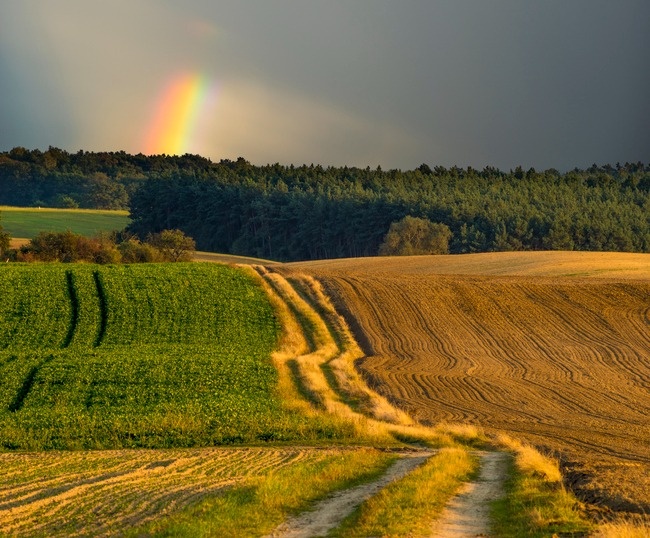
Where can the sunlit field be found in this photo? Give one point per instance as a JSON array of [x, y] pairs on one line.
[[26, 222]]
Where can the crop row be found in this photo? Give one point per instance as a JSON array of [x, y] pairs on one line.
[[51, 307], [35, 307]]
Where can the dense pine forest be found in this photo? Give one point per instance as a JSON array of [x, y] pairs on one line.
[[310, 212]]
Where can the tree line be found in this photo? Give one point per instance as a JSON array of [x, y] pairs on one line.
[[310, 212]]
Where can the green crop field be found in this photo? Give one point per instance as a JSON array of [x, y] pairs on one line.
[[26, 222], [141, 355]]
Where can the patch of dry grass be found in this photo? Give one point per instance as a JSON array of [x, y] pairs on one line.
[[530, 461], [625, 529], [625, 265], [408, 506], [257, 506], [102, 493]]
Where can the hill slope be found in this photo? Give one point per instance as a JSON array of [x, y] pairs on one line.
[[140, 355], [559, 360]]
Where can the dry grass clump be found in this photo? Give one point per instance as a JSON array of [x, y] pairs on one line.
[[468, 434], [529, 460], [625, 529]]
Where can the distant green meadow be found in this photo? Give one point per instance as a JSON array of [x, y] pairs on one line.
[[155, 355], [27, 222]]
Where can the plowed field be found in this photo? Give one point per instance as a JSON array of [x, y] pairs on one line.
[[562, 361]]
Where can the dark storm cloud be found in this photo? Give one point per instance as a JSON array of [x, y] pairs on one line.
[[501, 82]]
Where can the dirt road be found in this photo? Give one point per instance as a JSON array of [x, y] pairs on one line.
[[468, 513], [330, 512]]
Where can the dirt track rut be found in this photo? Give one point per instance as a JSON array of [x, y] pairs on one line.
[[330, 512], [468, 513]]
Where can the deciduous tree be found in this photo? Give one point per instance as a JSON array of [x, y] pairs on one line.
[[413, 235], [174, 245]]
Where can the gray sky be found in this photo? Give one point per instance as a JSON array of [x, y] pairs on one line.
[[543, 83]]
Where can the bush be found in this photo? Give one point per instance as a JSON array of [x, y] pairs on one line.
[[413, 235], [68, 247], [134, 251], [174, 245]]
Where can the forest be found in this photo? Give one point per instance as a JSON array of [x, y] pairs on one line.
[[287, 212]]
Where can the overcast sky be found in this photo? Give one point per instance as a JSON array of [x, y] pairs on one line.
[[542, 83]]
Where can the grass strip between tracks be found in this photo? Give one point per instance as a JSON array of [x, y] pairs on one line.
[[536, 504], [408, 506], [260, 505]]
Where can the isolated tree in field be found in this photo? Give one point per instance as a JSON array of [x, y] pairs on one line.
[[413, 235], [174, 245]]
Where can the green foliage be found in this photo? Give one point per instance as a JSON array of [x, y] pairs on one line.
[[174, 245], [70, 247], [287, 213], [412, 235], [135, 251], [140, 355], [35, 309], [67, 247], [310, 212]]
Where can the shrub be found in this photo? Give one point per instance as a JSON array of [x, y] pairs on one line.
[[413, 235], [134, 251], [68, 247], [174, 245]]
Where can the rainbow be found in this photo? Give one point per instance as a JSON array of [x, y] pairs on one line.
[[184, 103]]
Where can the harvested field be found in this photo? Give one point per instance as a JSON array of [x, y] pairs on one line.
[[547, 263], [107, 492], [562, 361]]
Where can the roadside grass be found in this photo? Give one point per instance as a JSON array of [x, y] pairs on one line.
[[625, 529], [408, 506], [304, 345], [258, 506], [535, 504], [340, 370], [27, 222]]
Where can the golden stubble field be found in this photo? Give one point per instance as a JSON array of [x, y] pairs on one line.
[[553, 347], [108, 492]]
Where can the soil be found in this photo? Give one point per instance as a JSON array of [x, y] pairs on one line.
[[468, 513], [551, 348]]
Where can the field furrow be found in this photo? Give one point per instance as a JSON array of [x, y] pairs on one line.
[[563, 362]]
